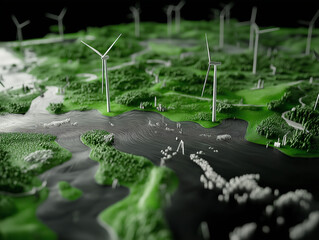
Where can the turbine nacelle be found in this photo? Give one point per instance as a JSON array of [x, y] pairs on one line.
[[211, 63], [106, 57]]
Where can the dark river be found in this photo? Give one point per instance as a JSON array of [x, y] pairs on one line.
[[191, 203]]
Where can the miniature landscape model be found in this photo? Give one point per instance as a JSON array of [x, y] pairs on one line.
[[177, 130]]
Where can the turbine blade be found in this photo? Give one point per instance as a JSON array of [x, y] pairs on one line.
[[315, 17], [61, 15], [92, 48], [209, 59], [169, 9], [302, 22], [268, 30], [205, 80], [243, 23], [180, 5], [15, 20], [25, 23], [112, 45], [52, 16], [253, 15]]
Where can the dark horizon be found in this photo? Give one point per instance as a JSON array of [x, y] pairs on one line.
[[82, 14]]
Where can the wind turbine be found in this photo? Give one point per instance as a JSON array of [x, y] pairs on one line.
[[19, 27], [215, 64], [1, 80], [169, 11], [104, 58], [251, 23], [177, 10], [58, 18], [315, 106], [136, 15], [258, 32], [227, 11], [311, 25], [221, 27]]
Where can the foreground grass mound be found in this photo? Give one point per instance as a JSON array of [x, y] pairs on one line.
[[140, 215], [23, 156]]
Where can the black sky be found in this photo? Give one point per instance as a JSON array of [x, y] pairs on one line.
[[81, 14]]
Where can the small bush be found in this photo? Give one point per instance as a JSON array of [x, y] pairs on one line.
[[56, 107]]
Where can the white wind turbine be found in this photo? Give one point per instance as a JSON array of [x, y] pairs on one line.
[[1, 80], [227, 11], [169, 12], [19, 27], [104, 58], [258, 32], [136, 15], [58, 18], [224, 12], [221, 27], [177, 10], [251, 23], [310, 28], [210, 63]]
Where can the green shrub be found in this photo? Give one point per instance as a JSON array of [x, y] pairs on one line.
[[56, 107], [15, 107], [134, 97]]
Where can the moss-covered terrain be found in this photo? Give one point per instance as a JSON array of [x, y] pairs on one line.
[[141, 213], [23, 156], [180, 64]]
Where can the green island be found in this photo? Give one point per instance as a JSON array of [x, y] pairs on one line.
[[141, 212], [23, 156], [68, 192]]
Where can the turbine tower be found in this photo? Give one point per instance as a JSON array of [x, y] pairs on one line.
[[258, 32], [221, 27], [104, 58], [252, 22], [215, 64], [19, 28], [224, 12], [169, 12], [136, 15], [1, 80], [177, 10], [310, 28], [58, 18]]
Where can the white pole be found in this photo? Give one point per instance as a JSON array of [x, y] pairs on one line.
[[155, 101], [221, 30], [316, 103], [60, 28], [169, 24], [252, 21], [103, 74], [177, 20], [108, 107], [309, 38], [138, 24], [255, 53], [214, 94]]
